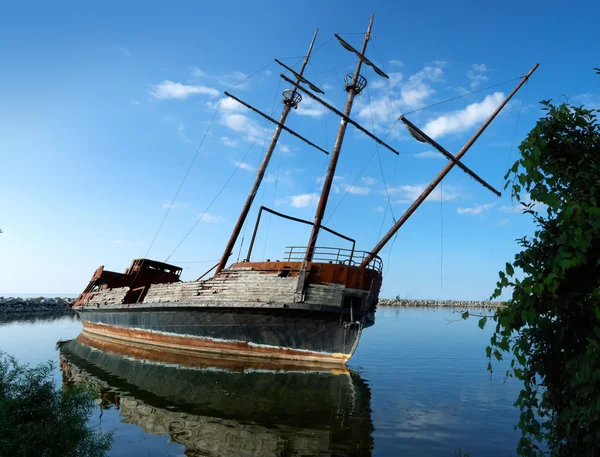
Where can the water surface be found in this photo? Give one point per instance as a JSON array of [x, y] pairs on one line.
[[418, 386]]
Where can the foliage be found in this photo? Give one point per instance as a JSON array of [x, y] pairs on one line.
[[551, 324], [36, 419], [460, 453]]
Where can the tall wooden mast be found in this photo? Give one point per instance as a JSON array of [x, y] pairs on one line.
[[290, 100], [353, 87]]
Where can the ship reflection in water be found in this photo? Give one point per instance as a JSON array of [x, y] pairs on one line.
[[226, 408]]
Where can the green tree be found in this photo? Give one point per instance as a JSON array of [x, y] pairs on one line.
[[36, 419], [550, 327]]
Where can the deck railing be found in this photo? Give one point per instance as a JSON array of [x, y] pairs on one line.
[[333, 255]]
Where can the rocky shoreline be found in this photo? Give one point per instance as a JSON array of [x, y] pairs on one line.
[[400, 303], [10, 305]]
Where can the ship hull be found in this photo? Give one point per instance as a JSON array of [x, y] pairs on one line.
[[292, 335]]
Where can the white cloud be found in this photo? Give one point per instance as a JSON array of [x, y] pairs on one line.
[[394, 79], [479, 67], [181, 133], [240, 123], [234, 79], [389, 101], [172, 90], [268, 72], [368, 180], [518, 208], [476, 210], [284, 148], [396, 63], [167, 205], [378, 209], [502, 222], [591, 101], [210, 218], [300, 201], [245, 166], [356, 190], [197, 73], [309, 107], [476, 79], [458, 121], [409, 193], [134, 102], [229, 142], [429, 155]]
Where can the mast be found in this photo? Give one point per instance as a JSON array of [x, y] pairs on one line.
[[290, 101], [400, 222], [354, 87]]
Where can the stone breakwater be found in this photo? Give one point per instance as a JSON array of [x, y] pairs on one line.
[[34, 305], [399, 303]]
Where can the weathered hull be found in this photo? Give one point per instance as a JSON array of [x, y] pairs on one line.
[[298, 335]]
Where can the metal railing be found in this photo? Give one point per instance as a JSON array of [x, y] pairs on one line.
[[333, 255]]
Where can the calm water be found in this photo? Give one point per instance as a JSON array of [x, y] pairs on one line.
[[418, 386]]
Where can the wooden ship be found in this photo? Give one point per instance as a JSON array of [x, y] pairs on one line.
[[310, 307], [224, 408]]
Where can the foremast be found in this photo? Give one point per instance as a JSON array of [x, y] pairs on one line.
[[291, 99]]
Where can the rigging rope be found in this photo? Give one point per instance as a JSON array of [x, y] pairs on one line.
[[463, 95], [387, 193], [441, 234], [512, 143]]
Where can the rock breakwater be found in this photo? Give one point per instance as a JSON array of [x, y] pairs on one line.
[[402, 303], [34, 305]]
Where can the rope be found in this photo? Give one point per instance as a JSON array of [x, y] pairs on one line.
[[441, 234], [218, 194], [463, 95], [387, 193], [512, 143]]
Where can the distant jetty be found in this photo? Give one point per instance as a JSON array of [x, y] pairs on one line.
[[404, 303], [9, 305]]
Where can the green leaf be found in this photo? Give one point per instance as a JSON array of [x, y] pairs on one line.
[[482, 322], [465, 315]]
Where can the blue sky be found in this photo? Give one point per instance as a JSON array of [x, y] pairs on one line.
[[102, 108]]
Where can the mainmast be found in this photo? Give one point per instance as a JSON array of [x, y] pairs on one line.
[[290, 100], [353, 86]]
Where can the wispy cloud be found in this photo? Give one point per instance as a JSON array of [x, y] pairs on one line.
[[518, 208], [429, 155], [167, 205], [197, 73], [378, 209], [476, 210], [309, 107], [245, 166], [479, 67], [173, 90], [461, 120], [229, 142], [368, 180], [300, 201], [502, 222], [398, 95], [181, 133], [408, 193], [395, 63], [123, 50], [210, 218], [235, 79]]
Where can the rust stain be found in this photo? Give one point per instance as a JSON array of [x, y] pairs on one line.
[[188, 358], [319, 273], [240, 348]]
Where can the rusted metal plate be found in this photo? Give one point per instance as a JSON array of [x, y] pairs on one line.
[[318, 273]]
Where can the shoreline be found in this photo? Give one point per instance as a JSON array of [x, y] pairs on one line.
[[405, 303], [18, 305], [47, 305]]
